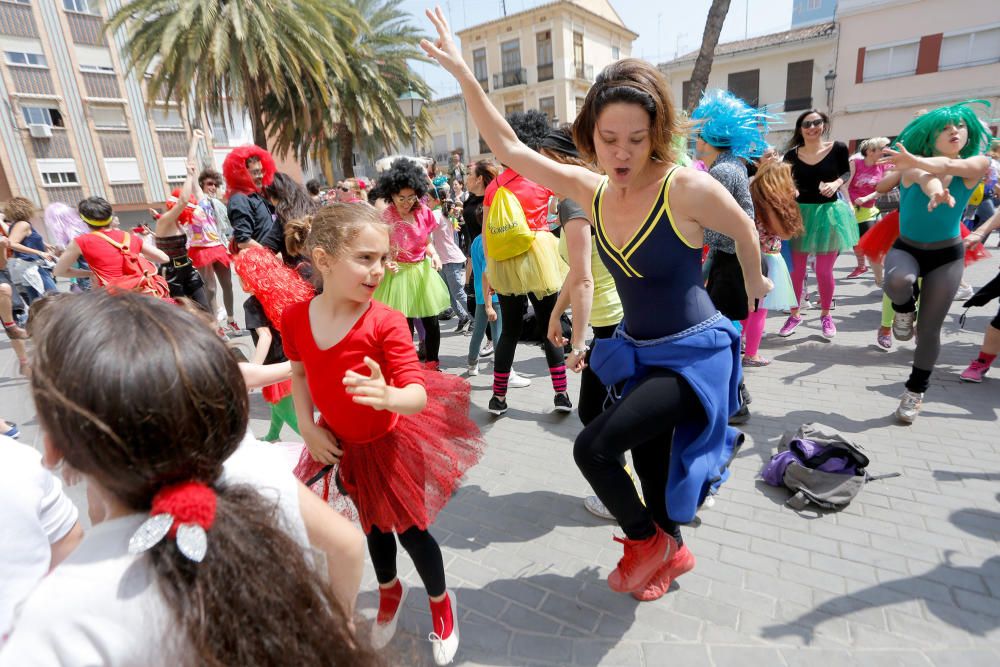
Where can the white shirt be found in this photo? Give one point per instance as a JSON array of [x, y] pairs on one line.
[[34, 514], [101, 606]]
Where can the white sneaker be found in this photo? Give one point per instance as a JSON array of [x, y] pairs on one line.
[[516, 381], [445, 649], [597, 508], [909, 406], [964, 292], [473, 369], [902, 325], [382, 633]]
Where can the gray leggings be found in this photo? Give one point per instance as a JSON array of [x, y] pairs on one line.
[[940, 265]]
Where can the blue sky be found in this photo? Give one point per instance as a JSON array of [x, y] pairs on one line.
[[663, 30]]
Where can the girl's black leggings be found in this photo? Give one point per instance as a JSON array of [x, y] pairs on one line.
[[424, 552], [512, 314], [643, 421], [432, 339]]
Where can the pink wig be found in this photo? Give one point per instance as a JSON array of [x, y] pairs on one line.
[[63, 224]]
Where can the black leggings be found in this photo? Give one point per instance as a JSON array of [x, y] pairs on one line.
[[432, 337], [644, 422], [593, 393], [424, 552], [512, 319]]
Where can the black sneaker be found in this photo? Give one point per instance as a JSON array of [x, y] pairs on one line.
[[497, 406], [446, 315], [562, 402], [742, 416], [745, 397]]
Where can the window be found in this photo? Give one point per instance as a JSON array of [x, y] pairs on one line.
[[510, 55], [167, 118], [798, 86], [457, 141], [122, 170], [981, 47], [515, 107], [890, 61], [579, 104], [813, 5], [615, 53], [113, 117], [98, 69], [547, 105], [43, 116], [745, 85], [82, 6], [479, 67], [578, 50], [22, 58], [60, 178], [543, 44], [483, 148], [220, 131]]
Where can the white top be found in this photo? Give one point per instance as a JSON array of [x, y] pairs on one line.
[[101, 606], [444, 240], [34, 514]]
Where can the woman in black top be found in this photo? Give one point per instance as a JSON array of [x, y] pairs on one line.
[[820, 169]]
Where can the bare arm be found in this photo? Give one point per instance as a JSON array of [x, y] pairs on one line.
[[970, 169], [263, 345], [576, 183], [260, 375], [578, 289], [850, 179], [65, 545], [64, 267], [933, 187], [152, 253], [890, 181], [20, 231], [192, 164]]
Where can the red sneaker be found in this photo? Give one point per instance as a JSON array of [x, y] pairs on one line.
[[641, 560], [857, 272], [656, 587]]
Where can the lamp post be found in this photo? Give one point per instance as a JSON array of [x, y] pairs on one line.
[[830, 79], [411, 104]]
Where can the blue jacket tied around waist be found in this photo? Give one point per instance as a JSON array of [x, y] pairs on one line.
[[708, 356]]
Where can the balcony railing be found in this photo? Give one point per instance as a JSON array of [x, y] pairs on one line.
[[100, 85], [86, 28], [116, 143], [32, 80], [173, 144], [67, 194], [17, 20], [129, 193], [798, 104], [514, 77], [545, 72], [56, 146], [584, 71]]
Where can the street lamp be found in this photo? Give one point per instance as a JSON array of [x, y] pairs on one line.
[[410, 104], [830, 79]]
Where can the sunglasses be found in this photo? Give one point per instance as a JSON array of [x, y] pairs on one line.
[[408, 198], [210, 184], [343, 189], [813, 123]]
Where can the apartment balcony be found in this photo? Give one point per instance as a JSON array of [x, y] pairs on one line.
[[31, 80], [67, 194], [17, 20], [116, 143], [129, 193], [584, 71], [798, 104], [102, 86], [546, 72], [56, 146], [514, 77], [86, 28], [173, 143]]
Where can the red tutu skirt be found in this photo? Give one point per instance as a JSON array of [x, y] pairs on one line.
[[406, 476], [202, 256], [274, 393], [877, 241]]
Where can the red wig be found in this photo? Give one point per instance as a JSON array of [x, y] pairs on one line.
[[235, 171], [275, 285]]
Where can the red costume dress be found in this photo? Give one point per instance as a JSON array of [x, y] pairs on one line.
[[399, 470], [116, 259]]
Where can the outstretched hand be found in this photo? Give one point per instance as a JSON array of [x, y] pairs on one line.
[[369, 390], [938, 198], [898, 157], [443, 49]]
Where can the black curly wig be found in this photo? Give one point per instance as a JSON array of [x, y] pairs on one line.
[[530, 126], [402, 174]]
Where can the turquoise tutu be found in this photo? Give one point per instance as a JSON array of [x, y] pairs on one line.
[[416, 290], [783, 294], [827, 228]]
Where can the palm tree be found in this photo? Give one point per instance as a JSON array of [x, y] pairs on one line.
[[364, 113], [703, 64], [217, 52]]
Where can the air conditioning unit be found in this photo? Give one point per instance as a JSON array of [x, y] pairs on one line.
[[40, 131]]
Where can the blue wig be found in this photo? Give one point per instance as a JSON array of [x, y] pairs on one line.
[[728, 123]]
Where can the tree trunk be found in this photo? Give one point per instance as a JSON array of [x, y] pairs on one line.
[[255, 108], [345, 141], [703, 65]]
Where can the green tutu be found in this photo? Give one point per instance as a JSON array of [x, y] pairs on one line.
[[416, 290], [828, 228]]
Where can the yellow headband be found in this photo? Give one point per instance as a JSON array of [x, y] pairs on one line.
[[96, 223]]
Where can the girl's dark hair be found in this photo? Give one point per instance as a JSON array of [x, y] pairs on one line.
[[162, 403], [313, 186], [291, 201], [95, 208], [797, 139], [401, 174], [486, 170], [631, 81]]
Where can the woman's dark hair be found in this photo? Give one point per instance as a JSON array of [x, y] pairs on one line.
[[312, 186], [207, 174], [530, 126], [164, 403], [401, 174], [95, 208], [485, 170], [631, 81], [797, 139], [291, 201]]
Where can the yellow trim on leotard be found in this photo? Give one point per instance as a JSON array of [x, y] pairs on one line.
[[609, 248], [670, 216]]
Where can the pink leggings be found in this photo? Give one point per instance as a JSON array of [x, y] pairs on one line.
[[753, 330], [824, 275]]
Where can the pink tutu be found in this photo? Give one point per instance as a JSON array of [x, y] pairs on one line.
[[202, 256], [404, 478]]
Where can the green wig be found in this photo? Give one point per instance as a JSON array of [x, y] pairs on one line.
[[920, 134]]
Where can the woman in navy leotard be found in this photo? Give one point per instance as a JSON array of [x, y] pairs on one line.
[[673, 346]]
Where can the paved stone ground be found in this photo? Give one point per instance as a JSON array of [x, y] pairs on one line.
[[909, 574]]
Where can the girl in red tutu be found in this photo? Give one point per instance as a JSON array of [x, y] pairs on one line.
[[400, 433]]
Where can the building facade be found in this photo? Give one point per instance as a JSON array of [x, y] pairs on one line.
[[810, 12], [786, 72], [899, 56], [544, 58]]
